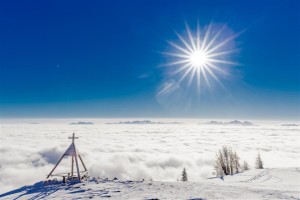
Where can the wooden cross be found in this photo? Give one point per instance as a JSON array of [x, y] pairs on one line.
[[73, 138], [74, 157]]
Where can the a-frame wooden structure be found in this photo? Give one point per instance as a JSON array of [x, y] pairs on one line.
[[71, 151]]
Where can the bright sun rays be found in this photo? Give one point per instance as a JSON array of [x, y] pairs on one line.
[[201, 56]]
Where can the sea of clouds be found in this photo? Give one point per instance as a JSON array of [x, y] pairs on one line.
[[30, 148]]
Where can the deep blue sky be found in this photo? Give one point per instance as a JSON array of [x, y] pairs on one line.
[[63, 58]]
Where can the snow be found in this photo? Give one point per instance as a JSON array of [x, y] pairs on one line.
[[138, 151], [276, 183]]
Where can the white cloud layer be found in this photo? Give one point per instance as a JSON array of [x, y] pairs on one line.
[[128, 151]]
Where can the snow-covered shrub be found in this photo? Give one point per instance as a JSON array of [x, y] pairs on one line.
[[245, 166], [184, 176], [258, 162]]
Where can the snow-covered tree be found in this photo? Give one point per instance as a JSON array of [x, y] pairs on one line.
[[227, 162], [231, 161], [236, 163], [226, 159], [219, 165], [184, 176], [245, 166], [258, 162]]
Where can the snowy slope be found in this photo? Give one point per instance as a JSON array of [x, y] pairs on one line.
[[278, 183]]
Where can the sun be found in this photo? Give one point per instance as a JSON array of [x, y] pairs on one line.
[[201, 56], [198, 58]]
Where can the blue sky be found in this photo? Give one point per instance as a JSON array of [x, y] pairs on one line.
[[102, 59]]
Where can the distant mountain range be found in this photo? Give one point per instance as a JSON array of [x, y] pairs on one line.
[[81, 123], [235, 122], [143, 122]]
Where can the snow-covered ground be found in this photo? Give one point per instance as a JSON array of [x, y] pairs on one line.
[[280, 183], [30, 148]]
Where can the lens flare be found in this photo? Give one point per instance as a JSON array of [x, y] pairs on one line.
[[201, 56], [198, 58]]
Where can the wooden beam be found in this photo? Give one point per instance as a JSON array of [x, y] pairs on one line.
[[72, 167], [76, 161], [56, 166], [82, 162]]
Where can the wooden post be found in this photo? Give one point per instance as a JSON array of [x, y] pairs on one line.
[[76, 161], [55, 166], [72, 166], [82, 162]]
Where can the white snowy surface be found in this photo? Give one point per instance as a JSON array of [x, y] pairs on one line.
[[283, 183], [30, 148]]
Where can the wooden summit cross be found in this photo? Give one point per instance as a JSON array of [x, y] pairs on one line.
[[71, 151]]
